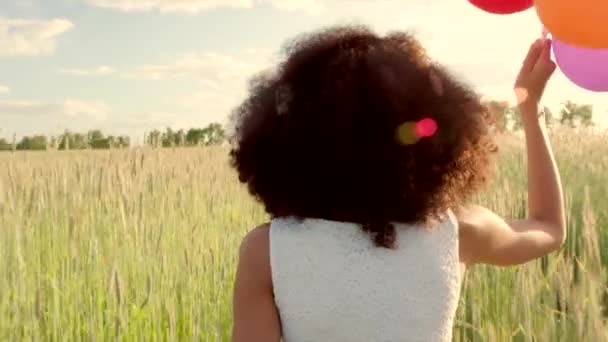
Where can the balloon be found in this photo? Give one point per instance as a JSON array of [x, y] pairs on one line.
[[587, 68], [580, 23], [502, 6]]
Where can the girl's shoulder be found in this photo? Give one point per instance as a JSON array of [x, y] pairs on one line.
[[256, 242], [254, 254]]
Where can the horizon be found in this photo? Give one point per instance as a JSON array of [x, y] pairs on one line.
[[127, 67]]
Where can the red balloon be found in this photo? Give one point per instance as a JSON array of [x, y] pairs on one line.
[[503, 6]]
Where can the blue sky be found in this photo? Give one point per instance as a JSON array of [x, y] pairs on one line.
[[127, 66]]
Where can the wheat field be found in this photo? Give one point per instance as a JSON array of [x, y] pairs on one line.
[[141, 245]]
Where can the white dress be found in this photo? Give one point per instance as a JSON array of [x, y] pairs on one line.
[[332, 284]]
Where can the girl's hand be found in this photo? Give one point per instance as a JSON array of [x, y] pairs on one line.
[[534, 75]]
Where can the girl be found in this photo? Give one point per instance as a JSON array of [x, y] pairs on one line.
[[364, 153]]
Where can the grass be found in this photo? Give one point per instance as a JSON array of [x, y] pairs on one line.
[[141, 245]]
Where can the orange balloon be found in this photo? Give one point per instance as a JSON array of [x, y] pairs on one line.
[[579, 23]]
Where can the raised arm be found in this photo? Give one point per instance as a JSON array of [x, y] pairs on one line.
[[487, 238]]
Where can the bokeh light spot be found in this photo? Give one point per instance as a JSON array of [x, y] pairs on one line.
[[406, 133], [411, 132], [426, 128]]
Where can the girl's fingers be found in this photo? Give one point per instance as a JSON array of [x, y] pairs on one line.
[[544, 60], [532, 56], [544, 33], [545, 51]]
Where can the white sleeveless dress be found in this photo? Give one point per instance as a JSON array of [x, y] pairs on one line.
[[332, 284]]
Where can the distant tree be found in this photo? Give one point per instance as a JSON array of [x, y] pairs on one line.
[[123, 141], [24, 144], [154, 138], [180, 138], [64, 141], [53, 142], [501, 112], [214, 134], [79, 142], [73, 141], [576, 115], [101, 144], [34, 143], [194, 136], [548, 116], [97, 140], [95, 135], [515, 118], [168, 138], [5, 145]]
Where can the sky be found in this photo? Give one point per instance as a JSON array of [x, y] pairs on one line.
[[129, 66]]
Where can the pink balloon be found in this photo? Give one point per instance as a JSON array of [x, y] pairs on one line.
[[503, 6], [587, 68]]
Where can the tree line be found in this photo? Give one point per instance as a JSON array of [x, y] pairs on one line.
[[571, 115], [213, 134], [93, 139], [508, 118]]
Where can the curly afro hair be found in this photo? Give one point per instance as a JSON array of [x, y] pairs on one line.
[[318, 137]]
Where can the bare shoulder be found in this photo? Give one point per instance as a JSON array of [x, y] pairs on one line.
[[255, 314], [470, 216], [254, 250], [256, 237], [477, 219], [474, 224]]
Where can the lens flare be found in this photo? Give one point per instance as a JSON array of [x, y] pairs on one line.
[[426, 128], [406, 133], [411, 132]]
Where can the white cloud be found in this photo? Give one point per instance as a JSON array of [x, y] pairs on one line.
[[34, 110], [223, 80], [140, 122], [308, 6], [196, 6], [4, 89], [23, 37], [25, 117], [164, 6], [216, 97], [102, 70], [211, 68], [195, 99]]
